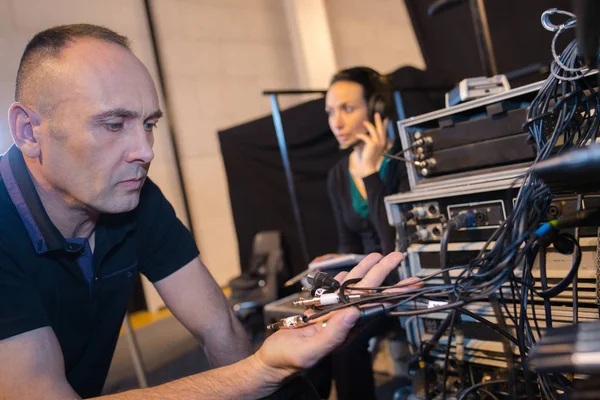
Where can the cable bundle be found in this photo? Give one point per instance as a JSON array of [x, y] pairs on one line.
[[562, 116]]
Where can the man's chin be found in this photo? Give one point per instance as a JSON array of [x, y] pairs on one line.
[[122, 205]]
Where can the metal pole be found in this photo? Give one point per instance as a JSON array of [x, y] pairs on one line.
[[483, 37], [288, 175], [575, 284], [170, 126], [399, 105], [136, 354]]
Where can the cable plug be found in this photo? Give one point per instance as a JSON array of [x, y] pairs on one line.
[[325, 299], [294, 321], [370, 312], [580, 218], [323, 280], [418, 236], [464, 218]]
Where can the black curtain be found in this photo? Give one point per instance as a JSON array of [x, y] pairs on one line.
[[258, 190], [449, 47], [421, 91]]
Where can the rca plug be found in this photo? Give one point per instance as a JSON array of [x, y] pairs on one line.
[[326, 299], [425, 141], [314, 291], [295, 321], [417, 212], [323, 280], [419, 236]]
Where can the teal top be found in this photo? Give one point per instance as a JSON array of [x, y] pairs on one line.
[[359, 203]]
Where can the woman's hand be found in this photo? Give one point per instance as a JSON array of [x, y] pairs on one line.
[[375, 144]]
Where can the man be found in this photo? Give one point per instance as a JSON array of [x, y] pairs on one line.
[[79, 217]]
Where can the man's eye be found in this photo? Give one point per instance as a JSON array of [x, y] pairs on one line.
[[150, 126], [114, 126], [348, 109]]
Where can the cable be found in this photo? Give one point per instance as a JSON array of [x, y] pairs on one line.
[[489, 324], [544, 283], [395, 157], [453, 317], [567, 280], [490, 394], [510, 360], [464, 394]]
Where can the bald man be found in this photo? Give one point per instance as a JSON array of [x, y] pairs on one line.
[[79, 218]]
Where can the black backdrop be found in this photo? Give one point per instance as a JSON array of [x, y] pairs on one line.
[[449, 47], [257, 187], [258, 190]]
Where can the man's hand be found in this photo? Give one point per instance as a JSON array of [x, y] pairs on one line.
[[288, 351]]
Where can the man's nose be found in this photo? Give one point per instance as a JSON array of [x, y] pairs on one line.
[[140, 150]]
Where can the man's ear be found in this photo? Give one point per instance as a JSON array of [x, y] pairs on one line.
[[23, 122]]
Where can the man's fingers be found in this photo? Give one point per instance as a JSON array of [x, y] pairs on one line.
[[376, 275], [406, 285], [364, 266], [341, 277], [335, 329]]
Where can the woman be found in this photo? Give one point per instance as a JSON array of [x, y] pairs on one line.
[[357, 184]]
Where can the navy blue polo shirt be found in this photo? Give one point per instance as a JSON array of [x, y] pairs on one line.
[[49, 280]]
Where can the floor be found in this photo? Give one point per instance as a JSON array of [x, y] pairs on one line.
[[169, 352]]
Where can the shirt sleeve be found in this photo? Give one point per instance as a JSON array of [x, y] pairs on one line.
[[21, 306], [348, 241], [164, 243]]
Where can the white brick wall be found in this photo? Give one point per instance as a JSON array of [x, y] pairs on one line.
[[375, 33], [218, 57]]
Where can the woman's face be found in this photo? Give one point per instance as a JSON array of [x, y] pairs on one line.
[[347, 110]]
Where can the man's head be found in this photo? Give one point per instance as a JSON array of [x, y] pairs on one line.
[[85, 108]]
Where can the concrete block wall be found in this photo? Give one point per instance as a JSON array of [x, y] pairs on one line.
[[375, 33], [218, 57]]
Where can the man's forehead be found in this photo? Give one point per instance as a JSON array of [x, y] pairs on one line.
[[103, 72], [91, 58]]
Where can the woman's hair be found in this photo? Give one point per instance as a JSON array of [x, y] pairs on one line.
[[376, 88], [368, 78]]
